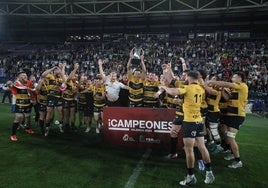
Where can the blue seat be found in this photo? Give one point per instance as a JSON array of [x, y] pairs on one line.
[[262, 105], [259, 105], [256, 105]]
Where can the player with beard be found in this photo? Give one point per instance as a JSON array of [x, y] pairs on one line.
[[192, 125], [21, 91]]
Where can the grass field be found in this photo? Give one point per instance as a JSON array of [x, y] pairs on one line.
[[79, 159]]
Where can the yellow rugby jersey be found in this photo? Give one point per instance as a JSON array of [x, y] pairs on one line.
[[53, 85], [135, 89], [149, 90], [163, 100], [170, 99], [70, 91], [101, 92], [89, 94], [22, 97], [213, 101], [42, 94], [223, 104], [179, 109], [192, 102], [204, 104], [238, 100], [82, 96]]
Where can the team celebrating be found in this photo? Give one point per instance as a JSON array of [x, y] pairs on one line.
[[209, 112]]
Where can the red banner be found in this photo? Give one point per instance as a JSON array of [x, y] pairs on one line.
[[139, 127]]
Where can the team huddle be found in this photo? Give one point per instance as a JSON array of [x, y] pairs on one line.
[[208, 112]]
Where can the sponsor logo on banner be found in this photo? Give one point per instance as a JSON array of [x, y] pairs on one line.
[[138, 127], [127, 138], [144, 139]]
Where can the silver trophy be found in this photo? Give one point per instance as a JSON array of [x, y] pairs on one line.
[[137, 53]]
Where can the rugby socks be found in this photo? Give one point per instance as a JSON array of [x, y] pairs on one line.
[[237, 159], [208, 166], [173, 143], [14, 128], [41, 124], [190, 171], [47, 124]]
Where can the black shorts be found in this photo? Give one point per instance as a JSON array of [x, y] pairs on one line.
[[224, 111], [23, 109], [151, 105], [192, 129], [135, 104], [88, 112], [42, 107], [213, 117], [81, 107], [98, 109], [177, 120], [204, 112], [53, 101], [69, 104], [234, 121]]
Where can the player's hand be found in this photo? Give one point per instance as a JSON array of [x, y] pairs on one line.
[[100, 62], [76, 66], [131, 55]]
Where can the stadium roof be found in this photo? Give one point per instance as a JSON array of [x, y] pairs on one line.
[[28, 18], [93, 8]]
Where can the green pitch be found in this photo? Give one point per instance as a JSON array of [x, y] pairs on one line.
[[79, 159]]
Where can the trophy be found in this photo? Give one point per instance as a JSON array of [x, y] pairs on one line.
[[136, 61]]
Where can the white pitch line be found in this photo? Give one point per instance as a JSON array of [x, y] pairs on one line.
[[136, 172]]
